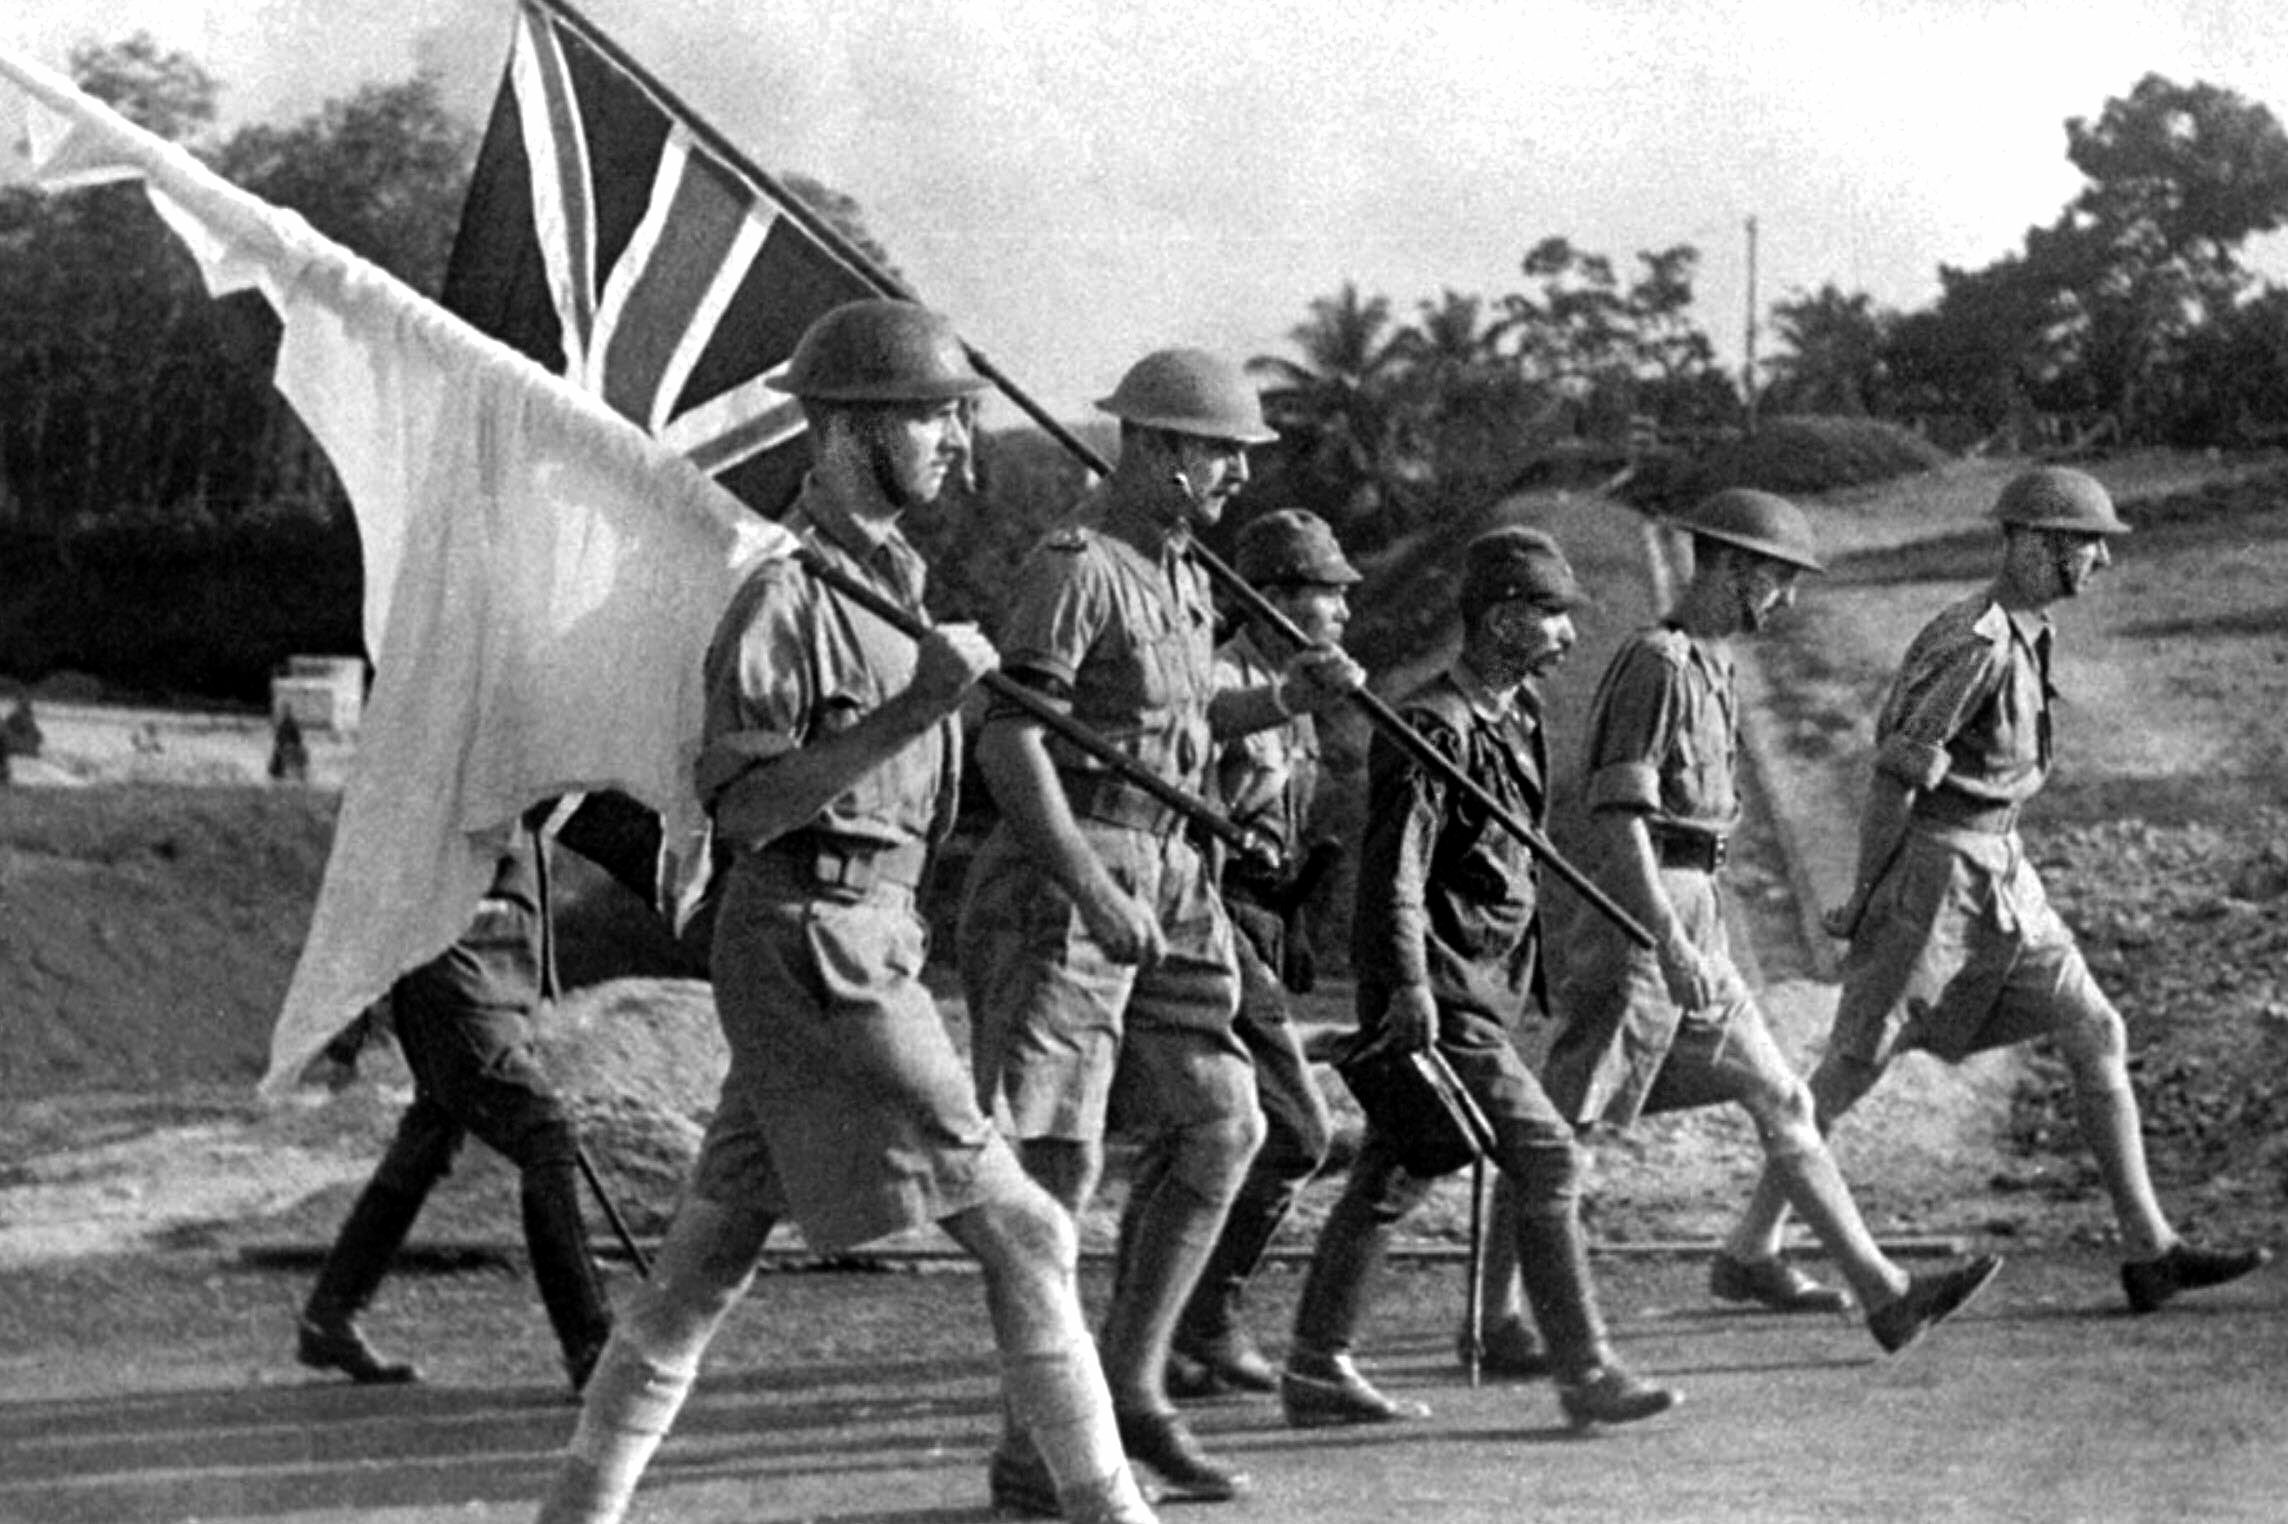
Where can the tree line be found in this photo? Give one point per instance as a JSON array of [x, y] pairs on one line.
[[144, 455], [2131, 318]]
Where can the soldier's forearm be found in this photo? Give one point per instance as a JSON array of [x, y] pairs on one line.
[[790, 791], [1243, 711]]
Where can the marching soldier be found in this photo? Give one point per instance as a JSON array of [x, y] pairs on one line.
[[1677, 1027], [830, 755], [1954, 948], [1097, 959], [1267, 778], [1446, 944], [464, 1021]]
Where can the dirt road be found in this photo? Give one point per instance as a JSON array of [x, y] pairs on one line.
[[874, 1402]]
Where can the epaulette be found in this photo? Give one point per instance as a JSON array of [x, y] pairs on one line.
[[1068, 540]]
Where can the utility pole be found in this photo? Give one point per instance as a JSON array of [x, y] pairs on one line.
[[1748, 365]]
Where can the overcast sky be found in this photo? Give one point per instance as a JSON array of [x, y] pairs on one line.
[[1079, 181]]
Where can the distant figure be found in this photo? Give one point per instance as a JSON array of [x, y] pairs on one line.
[[289, 756], [20, 734], [464, 1023]]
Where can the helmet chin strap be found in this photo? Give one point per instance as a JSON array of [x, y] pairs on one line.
[[1183, 481]]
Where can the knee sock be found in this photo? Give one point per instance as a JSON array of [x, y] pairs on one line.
[[1059, 1400], [631, 1403], [652, 1360]]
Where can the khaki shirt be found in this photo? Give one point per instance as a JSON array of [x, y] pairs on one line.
[[1267, 778], [1119, 620], [1664, 733], [1970, 709], [792, 662]]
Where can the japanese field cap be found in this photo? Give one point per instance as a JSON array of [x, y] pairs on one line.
[[880, 351], [1516, 562], [1189, 391], [2053, 497], [1292, 545], [1763, 522]]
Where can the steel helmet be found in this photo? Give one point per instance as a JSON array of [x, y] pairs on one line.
[[1189, 391], [2053, 497], [1763, 522], [880, 351]]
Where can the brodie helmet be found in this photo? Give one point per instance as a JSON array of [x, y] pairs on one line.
[[1190, 391], [2053, 497], [880, 351], [1763, 522]]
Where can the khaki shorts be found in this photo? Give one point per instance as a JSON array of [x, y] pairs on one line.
[[846, 1103], [1959, 952], [1073, 1042]]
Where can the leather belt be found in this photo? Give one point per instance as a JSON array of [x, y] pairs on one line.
[[820, 861], [1112, 801], [1701, 851], [1944, 807]]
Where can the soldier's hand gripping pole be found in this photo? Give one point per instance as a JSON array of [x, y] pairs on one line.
[[1253, 844], [1426, 756]]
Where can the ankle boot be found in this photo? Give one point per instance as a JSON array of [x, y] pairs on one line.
[[556, 1240], [327, 1337]]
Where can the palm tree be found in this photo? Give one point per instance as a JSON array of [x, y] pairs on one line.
[[1333, 403]]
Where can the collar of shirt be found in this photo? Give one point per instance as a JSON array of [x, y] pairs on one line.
[[2031, 626], [874, 543], [1140, 525], [1519, 703]]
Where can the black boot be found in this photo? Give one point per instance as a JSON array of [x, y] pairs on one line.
[[556, 1239], [1592, 1386], [327, 1337], [1211, 1337]]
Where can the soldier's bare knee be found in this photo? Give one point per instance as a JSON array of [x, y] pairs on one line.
[[1786, 1119], [1212, 1157], [2094, 1044]]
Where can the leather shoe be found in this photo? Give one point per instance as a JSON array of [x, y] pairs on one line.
[[1609, 1394], [1507, 1349], [1164, 1442], [1928, 1301], [1772, 1283], [1228, 1362], [1323, 1391], [1020, 1485], [2151, 1282], [338, 1346]]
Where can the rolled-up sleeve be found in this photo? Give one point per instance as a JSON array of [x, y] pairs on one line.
[[1058, 611], [1639, 711], [1939, 689], [759, 687]]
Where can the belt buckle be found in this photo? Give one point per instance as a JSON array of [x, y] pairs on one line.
[[1719, 849]]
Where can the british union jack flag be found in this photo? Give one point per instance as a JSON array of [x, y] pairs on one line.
[[604, 237]]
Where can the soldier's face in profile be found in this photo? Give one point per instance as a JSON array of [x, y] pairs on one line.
[[1321, 610], [1533, 637], [1765, 586], [2075, 559], [912, 451], [1215, 469]]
